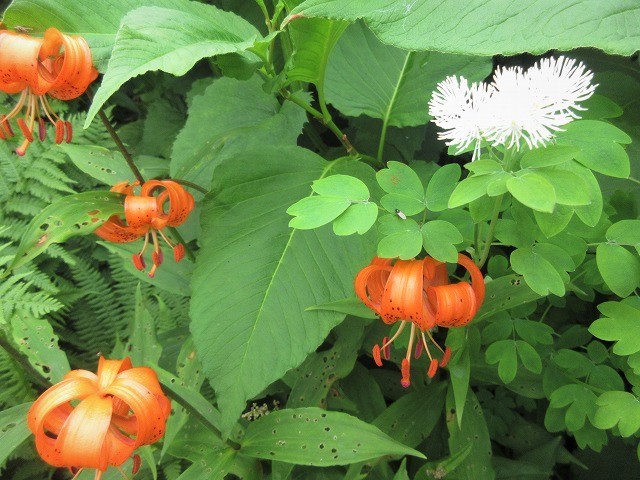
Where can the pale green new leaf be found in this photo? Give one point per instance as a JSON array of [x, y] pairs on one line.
[[533, 190], [401, 238], [172, 40], [486, 27]]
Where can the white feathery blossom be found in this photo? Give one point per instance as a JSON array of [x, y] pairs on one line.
[[460, 110], [518, 106]]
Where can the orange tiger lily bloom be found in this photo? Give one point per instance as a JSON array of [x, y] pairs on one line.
[[418, 292], [147, 215], [97, 420], [56, 65]]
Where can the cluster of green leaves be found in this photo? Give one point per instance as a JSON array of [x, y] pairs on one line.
[[293, 115]]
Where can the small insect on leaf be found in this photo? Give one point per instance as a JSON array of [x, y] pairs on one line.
[[400, 214]]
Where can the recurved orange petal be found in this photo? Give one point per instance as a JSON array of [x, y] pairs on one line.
[[72, 69], [82, 438]]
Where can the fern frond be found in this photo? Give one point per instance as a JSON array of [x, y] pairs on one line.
[[16, 388]]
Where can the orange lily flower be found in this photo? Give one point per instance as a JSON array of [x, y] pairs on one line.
[[418, 292], [56, 65], [96, 420], [147, 215]]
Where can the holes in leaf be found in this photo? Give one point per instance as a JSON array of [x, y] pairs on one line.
[[321, 446]]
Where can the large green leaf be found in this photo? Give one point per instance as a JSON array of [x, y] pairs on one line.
[[330, 438], [13, 429], [96, 20], [313, 40], [73, 215], [255, 277], [619, 268], [366, 77], [172, 40], [224, 119], [486, 27], [473, 431]]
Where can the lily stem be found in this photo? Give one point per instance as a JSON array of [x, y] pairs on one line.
[[492, 228], [125, 153], [20, 358]]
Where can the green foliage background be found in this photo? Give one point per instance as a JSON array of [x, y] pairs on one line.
[[293, 116]]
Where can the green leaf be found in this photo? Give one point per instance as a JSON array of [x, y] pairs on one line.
[[530, 358], [402, 238], [503, 352], [548, 156], [439, 239], [533, 190], [621, 325], [96, 20], [625, 232], [459, 369], [358, 218], [404, 188], [599, 145], [330, 438], [313, 40], [345, 186], [70, 216], [619, 268], [214, 466], [110, 167], [13, 429], [533, 332], [191, 400], [443, 466], [227, 118], [313, 212], [350, 306], [580, 403], [618, 408], [470, 189], [552, 224], [403, 81], [570, 188], [402, 423], [589, 214], [143, 347], [172, 40], [37, 341], [474, 432], [335, 194], [538, 272], [504, 293], [485, 27], [266, 273], [441, 186]]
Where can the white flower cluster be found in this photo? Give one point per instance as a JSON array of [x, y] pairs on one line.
[[516, 106]]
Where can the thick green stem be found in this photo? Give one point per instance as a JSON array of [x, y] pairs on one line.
[[23, 361], [492, 227]]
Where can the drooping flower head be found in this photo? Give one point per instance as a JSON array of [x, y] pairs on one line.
[[518, 107], [98, 420], [146, 215], [418, 292], [56, 65]]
